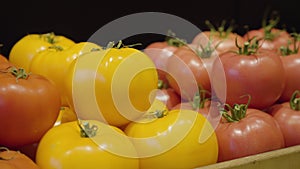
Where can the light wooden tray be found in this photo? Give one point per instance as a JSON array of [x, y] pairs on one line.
[[286, 158]]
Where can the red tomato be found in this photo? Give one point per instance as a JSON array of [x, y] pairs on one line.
[[13, 159], [268, 36], [30, 105], [3, 59], [187, 69], [222, 40], [168, 96], [287, 115], [290, 57], [272, 42], [259, 74], [159, 52], [245, 131], [199, 103], [206, 106]]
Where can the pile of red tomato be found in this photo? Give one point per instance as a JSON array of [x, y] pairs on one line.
[[80, 105]]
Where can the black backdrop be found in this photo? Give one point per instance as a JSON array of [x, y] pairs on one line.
[[79, 19]]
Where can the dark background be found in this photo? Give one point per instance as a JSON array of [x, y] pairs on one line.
[[79, 19]]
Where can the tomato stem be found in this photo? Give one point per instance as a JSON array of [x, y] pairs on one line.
[[86, 130], [295, 101], [237, 112], [56, 47], [161, 84], [222, 32], [49, 37], [272, 22], [208, 50], [286, 50], [120, 45], [172, 40], [156, 114], [19, 73], [249, 47], [5, 149], [199, 99]]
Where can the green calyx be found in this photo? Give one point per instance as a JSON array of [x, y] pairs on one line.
[[199, 99], [250, 47], [268, 25], [172, 40], [86, 130], [221, 30], [286, 50], [156, 114], [120, 45], [56, 48], [295, 101], [161, 84], [207, 51], [49, 37], [237, 112], [19, 73]]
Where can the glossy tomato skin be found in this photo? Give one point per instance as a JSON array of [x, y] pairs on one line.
[[29, 107], [29, 45], [174, 137], [13, 159], [53, 63], [124, 81], [168, 96], [281, 38], [291, 65], [160, 52], [289, 122], [64, 145], [259, 75], [256, 133], [220, 43], [186, 69]]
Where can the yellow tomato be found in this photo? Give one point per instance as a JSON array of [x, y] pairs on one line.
[[182, 139], [53, 63], [157, 105], [24, 49], [114, 85], [89, 145]]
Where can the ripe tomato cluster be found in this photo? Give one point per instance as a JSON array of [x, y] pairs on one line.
[[220, 97], [250, 81]]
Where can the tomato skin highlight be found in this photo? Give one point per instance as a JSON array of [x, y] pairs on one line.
[[260, 75], [287, 115], [291, 65], [168, 96], [219, 43], [158, 146], [29, 45], [127, 70], [64, 147], [256, 133], [185, 70], [29, 107], [53, 63], [160, 52]]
